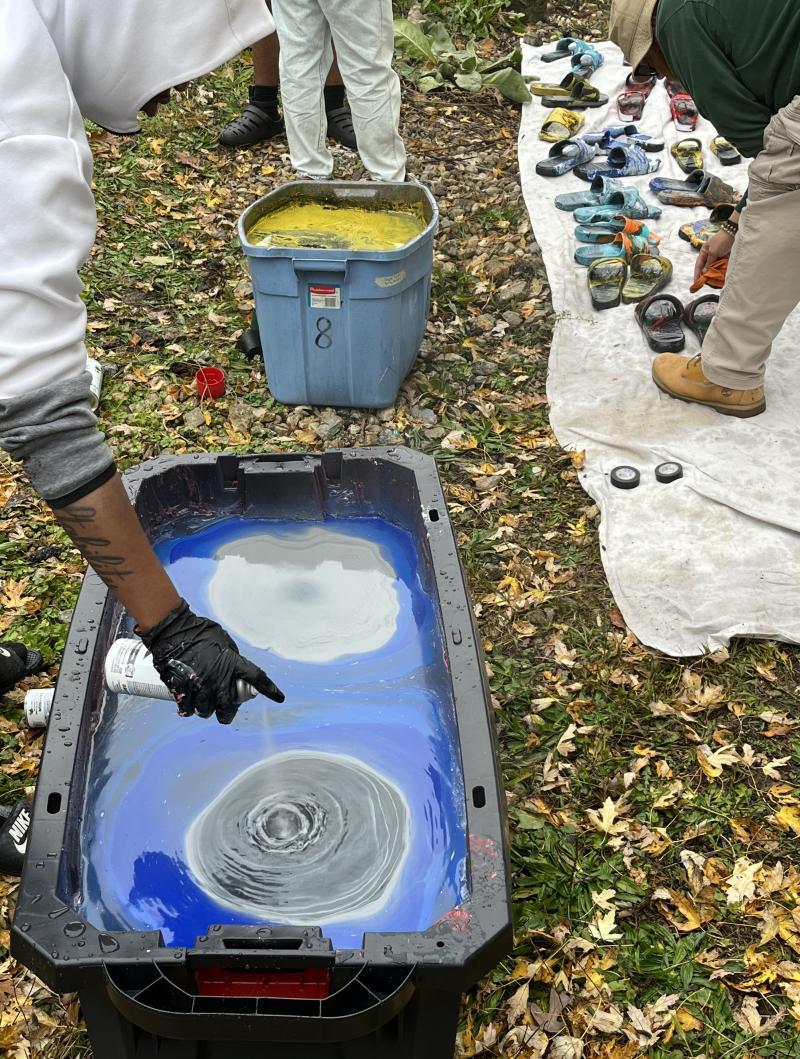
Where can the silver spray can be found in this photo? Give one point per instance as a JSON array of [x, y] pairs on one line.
[[129, 670], [38, 703], [95, 370]]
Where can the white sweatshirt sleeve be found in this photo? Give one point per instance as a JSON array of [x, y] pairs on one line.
[[47, 228]]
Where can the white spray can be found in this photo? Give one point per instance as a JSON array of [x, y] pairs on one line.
[[129, 670], [95, 370], [38, 703]]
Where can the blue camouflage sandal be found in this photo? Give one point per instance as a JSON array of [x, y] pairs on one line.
[[622, 161], [565, 155], [587, 62], [651, 144], [614, 131], [565, 48], [598, 195], [626, 202], [623, 244]]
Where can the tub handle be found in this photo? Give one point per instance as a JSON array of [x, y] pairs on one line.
[[310, 1024], [304, 264]]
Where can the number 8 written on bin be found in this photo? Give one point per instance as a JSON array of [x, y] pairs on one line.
[[323, 339]]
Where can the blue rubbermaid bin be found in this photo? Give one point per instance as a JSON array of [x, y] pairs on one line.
[[341, 327]]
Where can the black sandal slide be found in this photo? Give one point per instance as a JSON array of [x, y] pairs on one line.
[[660, 319], [17, 662], [699, 314]]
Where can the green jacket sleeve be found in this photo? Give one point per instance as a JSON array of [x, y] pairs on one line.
[[690, 37]]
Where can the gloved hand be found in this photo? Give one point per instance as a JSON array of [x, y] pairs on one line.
[[201, 664]]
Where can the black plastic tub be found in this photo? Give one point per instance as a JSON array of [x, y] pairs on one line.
[[396, 996]]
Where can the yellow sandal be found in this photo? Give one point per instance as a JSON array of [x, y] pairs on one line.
[[561, 125]]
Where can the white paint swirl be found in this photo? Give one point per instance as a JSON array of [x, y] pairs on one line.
[[302, 837], [312, 596]]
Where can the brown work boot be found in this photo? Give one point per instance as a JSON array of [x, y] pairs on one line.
[[683, 377]]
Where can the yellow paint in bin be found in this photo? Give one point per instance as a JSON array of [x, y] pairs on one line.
[[330, 227]]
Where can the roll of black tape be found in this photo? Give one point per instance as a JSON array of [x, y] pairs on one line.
[[625, 477], [669, 472]]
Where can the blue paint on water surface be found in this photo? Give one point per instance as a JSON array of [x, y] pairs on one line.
[[342, 808]]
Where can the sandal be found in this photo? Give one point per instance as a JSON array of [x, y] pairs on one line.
[[563, 88], [660, 319], [646, 275], [699, 232], [725, 151], [651, 144], [254, 125], [627, 202], [631, 102], [561, 125], [587, 62], [564, 48], [564, 156], [582, 95], [622, 161], [684, 112], [340, 127], [699, 314], [602, 231], [624, 244], [598, 195], [606, 279], [688, 154]]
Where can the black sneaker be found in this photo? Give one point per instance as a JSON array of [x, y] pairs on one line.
[[17, 662], [14, 827], [254, 125], [340, 127]]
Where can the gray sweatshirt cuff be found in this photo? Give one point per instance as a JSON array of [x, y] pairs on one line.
[[54, 432]]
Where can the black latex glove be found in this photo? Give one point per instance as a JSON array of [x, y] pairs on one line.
[[200, 664]]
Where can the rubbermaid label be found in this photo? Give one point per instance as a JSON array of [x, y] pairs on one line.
[[321, 296]]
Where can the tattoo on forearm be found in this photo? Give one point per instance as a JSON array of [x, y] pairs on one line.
[[112, 569]]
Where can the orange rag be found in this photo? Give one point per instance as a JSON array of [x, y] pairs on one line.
[[714, 276]]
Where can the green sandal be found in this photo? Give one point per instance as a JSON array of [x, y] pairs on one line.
[[647, 275], [606, 279]]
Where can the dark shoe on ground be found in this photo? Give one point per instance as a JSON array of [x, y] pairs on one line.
[[254, 125], [14, 826], [17, 662], [340, 127]]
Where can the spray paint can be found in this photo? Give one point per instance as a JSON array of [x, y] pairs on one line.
[[38, 703], [129, 670], [95, 370]]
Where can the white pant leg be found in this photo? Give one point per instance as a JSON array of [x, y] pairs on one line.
[[363, 32], [306, 57]]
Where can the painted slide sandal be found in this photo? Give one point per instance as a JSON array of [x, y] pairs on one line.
[[597, 195], [602, 231], [638, 86], [627, 202], [585, 63], [564, 48], [623, 245], [684, 112], [651, 144], [688, 154], [606, 279], [699, 314], [647, 275], [564, 156], [699, 232], [725, 151], [561, 125], [622, 161], [563, 89], [660, 319], [582, 96]]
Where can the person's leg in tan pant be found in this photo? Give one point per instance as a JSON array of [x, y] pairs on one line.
[[763, 282]]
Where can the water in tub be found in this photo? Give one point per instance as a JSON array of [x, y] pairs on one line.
[[335, 227], [344, 807]]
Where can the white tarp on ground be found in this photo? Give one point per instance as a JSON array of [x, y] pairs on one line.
[[716, 554]]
